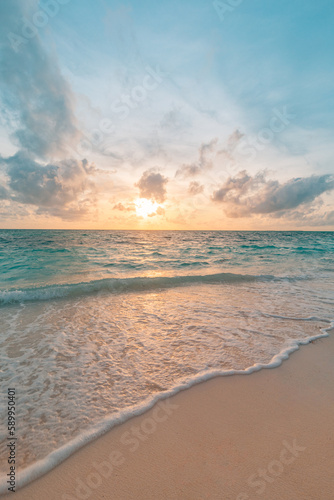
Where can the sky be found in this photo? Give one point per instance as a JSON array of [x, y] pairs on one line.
[[188, 114]]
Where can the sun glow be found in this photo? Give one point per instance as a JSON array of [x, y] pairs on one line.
[[145, 208]]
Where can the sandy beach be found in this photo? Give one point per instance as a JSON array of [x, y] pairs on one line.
[[265, 435]]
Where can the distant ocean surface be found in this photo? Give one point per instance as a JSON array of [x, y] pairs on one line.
[[97, 325]]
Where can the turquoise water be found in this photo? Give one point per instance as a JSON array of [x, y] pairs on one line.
[[37, 259], [98, 324]]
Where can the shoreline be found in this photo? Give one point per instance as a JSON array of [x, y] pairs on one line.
[[113, 463]]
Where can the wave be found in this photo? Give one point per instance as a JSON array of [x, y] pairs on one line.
[[119, 285]]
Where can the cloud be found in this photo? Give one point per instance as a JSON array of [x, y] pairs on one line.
[[175, 121], [33, 90], [4, 195], [204, 161], [328, 219], [63, 189], [39, 107], [195, 188], [232, 142], [159, 211], [152, 186], [123, 208], [316, 215], [234, 139], [188, 170], [245, 195]]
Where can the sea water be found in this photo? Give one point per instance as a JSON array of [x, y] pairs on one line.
[[98, 325]]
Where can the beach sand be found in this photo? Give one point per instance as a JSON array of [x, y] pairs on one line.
[[266, 435]]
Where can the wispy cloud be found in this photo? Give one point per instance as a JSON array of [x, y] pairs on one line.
[[227, 154], [195, 188], [203, 163]]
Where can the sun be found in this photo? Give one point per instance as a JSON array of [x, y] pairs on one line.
[[145, 207]]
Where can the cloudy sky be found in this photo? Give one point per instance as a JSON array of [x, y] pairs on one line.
[[185, 114]]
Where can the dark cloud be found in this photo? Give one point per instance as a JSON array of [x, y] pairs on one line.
[[235, 187], [245, 195], [152, 186], [204, 162], [33, 90], [195, 188], [63, 189]]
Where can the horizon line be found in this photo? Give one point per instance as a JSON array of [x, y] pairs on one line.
[[173, 230]]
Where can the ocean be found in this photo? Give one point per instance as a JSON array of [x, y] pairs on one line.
[[96, 326]]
